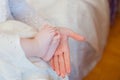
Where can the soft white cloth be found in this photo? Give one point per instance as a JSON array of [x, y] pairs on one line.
[[14, 64], [83, 16], [66, 13]]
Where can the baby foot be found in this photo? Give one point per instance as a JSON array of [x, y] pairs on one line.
[[44, 38], [52, 48]]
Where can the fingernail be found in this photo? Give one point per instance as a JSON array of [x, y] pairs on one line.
[[62, 75]]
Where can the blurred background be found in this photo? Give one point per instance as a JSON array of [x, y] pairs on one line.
[[109, 67]]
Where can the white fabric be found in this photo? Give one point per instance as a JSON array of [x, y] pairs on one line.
[[87, 17], [14, 64], [3, 10], [65, 13]]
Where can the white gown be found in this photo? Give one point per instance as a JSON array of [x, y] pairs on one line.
[[83, 16]]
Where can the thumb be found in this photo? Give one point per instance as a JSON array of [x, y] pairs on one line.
[[75, 36]]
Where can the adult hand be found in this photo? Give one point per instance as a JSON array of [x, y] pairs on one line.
[[61, 59]]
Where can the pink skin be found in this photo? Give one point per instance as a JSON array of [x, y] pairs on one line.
[[47, 41], [52, 48], [61, 60]]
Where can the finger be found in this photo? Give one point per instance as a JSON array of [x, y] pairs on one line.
[[52, 48], [72, 34], [62, 65], [67, 57], [52, 64], [56, 64], [76, 36]]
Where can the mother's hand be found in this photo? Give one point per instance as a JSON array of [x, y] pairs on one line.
[[61, 60]]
